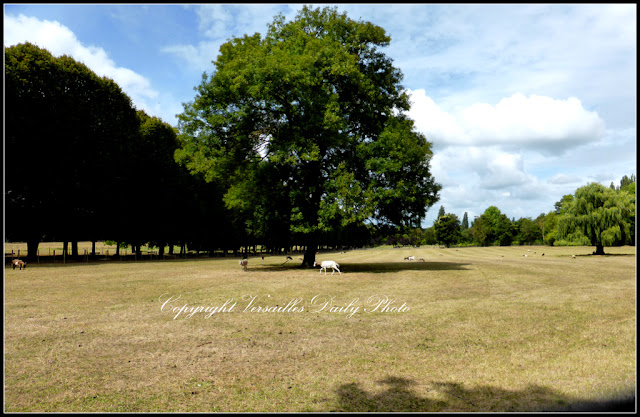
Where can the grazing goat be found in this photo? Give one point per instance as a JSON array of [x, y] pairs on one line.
[[410, 258], [422, 260], [328, 264], [244, 263], [19, 263]]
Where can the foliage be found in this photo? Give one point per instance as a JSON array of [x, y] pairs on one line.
[[447, 229], [561, 206], [600, 214], [70, 135], [528, 232], [85, 165], [318, 108], [493, 228], [465, 221]]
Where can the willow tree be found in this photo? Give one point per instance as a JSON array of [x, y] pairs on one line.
[[319, 109], [599, 213]]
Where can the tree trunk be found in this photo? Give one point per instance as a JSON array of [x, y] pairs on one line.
[[310, 253], [599, 250], [161, 250], [65, 248], [117, 248], [93, 248], [32, 250], [74, 248]]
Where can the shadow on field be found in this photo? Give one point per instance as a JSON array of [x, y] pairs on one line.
[[399, 397], [374, 267]]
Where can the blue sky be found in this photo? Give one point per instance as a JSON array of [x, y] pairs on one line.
[[523, 103]]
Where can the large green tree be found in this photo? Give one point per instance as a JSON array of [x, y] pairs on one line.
[[305, 128], [599, 213]]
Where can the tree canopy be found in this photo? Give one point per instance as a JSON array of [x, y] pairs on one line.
[[83, 164], [600, 214], [65, 125], [447, 229], [305, 130]]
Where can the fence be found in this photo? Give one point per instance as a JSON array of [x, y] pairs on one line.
[[57, 254]]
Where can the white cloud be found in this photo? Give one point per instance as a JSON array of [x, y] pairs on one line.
[[562, 179], [218, 23], [59, 40], [539, 123], [197, 58]]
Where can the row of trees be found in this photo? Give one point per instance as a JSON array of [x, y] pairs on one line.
[[83, 164], [594, 215], [299, 137]]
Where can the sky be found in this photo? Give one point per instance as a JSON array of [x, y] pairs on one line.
[[523, 103]]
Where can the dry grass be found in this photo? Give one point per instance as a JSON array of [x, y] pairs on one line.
[[486, 330]]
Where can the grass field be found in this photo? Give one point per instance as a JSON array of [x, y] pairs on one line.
[[473, 329]]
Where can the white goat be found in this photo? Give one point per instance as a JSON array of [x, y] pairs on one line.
[[244, 263], [410, 258], [328, 264]]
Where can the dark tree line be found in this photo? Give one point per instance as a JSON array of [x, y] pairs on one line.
[[82, 164]]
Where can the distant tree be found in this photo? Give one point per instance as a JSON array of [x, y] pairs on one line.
[[416, 236], [440, 212], [600, 214], [627, 183], [550, 228], [505, 231], [528, 231], [481, 231], [493, 227], [465, 221], [447, 229], [540, 222], [429, 236], [566, 199]]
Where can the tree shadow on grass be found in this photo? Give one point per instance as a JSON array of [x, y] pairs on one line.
[[453, 397], [373, 267]]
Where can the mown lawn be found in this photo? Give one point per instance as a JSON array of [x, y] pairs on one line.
[[473, 329]]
